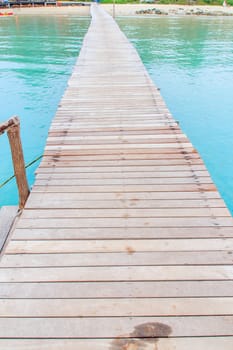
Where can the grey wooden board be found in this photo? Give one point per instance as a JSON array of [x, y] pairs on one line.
[[60, 201], [163, 182], [124, 175], [125, 222], [127, 213], [7, 216], [70, 151], [116, 307], [117, 273], [121, 233], [146, 289], [56, 186], [49, 192], [115, 327], [130, 257], [123, 159], [113, 170], [129, 246], [202, 343]]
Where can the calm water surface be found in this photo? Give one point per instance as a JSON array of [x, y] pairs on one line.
[[191, 60], [36, 59]]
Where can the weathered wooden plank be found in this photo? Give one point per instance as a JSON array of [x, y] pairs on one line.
[[72, 141], [130, 246], [123, 232], [198, 187], [85, 125], [161, 196], [96, 137], [128, 158], [7, 217], [58, 201], [69, 100], [181, 170], [125, 222], [79, 162], [108, 117], [66, 180], [121, 174], [121, 138], [86, 116], [71, 151], [120, 146], [115, 133], [202, 343], [146, 289], [116, 307], [122, 273], [127, 213], [115, 327], [127, 258], [110, 129]]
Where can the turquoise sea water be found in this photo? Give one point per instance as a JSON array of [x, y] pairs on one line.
[[36, 59], [191, 60]]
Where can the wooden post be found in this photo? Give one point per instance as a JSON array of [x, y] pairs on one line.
[[5, 126], [13, 133]]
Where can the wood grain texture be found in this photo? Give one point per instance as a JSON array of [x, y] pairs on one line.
[[115, 327], [131, 289], [203, 343]]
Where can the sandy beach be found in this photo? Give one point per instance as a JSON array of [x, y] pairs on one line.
[[127, 10], [50, 10]]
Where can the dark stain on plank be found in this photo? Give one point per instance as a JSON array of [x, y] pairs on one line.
[[142, 335]]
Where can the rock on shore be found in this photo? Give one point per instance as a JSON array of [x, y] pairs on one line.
[[171, 10], [186, 11]]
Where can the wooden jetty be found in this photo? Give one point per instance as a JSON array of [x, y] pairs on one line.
[[125, 243]]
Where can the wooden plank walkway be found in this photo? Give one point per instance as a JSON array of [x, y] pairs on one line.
[[125, 243]]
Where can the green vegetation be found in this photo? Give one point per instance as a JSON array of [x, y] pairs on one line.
[[191, 2], [179, 2], [120, 1]]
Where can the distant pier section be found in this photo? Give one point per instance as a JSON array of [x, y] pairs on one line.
[[125, 242]]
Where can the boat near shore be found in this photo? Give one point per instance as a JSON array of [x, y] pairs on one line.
[[5, 14]]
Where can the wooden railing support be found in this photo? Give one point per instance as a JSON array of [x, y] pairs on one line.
[[5, 126], [12, 126]]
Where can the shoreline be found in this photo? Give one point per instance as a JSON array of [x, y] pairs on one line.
[[168, 10], [127, 10], [81, 11]]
